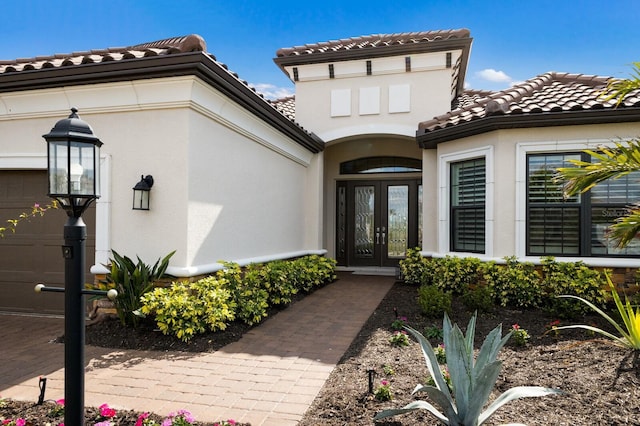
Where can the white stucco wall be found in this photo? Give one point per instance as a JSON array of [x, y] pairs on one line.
[[390, 101], [227, 185], [506, 152]]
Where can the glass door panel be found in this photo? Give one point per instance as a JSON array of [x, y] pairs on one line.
[[364, 203], [397, 221]]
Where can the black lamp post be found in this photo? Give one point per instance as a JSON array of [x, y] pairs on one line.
[[73, 171]]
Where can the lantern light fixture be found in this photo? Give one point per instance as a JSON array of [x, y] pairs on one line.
[[73, 155], [141, 193]]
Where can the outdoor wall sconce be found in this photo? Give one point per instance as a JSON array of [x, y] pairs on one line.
[[141, 193]]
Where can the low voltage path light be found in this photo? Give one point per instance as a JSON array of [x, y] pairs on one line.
[[142, 192], [73, 173]]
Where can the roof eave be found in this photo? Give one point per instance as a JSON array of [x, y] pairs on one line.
[[192, 63], [431, 139], [377, 52]]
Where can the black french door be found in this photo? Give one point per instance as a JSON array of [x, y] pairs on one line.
[[377, 220]]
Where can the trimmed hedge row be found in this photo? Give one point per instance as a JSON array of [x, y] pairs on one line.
[[518, 285], [234, 293]]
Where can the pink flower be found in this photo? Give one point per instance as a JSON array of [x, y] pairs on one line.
[[106, 411], [36, 206], [105, 423], [60, 401], [384, 383], [141, 419], [515, 327]]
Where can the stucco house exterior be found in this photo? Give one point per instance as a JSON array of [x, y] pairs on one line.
[[381, 149]]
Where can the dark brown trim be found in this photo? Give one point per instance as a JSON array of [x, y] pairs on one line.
[[431, 139], [463, 44], [198, 64]]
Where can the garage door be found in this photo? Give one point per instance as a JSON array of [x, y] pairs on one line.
[[33, 253]]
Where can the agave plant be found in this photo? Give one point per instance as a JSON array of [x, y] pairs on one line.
[[472, 382], [629, 334]]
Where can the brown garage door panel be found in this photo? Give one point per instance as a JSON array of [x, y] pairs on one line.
[[33, 254]]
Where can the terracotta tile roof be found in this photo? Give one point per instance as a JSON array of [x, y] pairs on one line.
[[287, 106], [373, 41], [550, 93], [469, 97], [189, 43]]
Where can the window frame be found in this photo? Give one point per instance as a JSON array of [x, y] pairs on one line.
[[444, 196], [584, 203], [474, 208]]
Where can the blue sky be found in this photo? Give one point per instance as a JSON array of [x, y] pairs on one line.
[[513, 40]]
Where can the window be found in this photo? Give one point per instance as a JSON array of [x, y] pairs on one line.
[[575, 226], [381, 165], [468, 195]]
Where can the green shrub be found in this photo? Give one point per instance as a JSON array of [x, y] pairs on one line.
[[433, 301], [516, 284], [313, 271], [187, 309], [249, 297], [455, 274], [413, 267], [132, 281], [478, 298], [574, 279]]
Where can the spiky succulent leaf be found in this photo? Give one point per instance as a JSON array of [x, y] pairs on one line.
[[484, 382], [416, 405], [515, 393], [440, 398], [432, 364], [460, 366]]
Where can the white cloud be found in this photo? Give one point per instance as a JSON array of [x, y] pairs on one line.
[[273, 92], [494, 76]]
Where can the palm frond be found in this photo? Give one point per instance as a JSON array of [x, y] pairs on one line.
[[619, 88]]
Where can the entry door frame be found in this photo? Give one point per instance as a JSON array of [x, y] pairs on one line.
[[345, 220]]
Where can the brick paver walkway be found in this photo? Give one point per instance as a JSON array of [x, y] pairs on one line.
[[269, 377]]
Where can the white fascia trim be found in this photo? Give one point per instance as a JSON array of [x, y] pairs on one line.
[[368, 129], [103, 204], [23, 161], [524, 148], [192, 271], [600, 262], [209, 268], [444, 185]]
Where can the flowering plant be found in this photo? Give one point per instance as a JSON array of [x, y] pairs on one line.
[[383, 393], [441, 354], [181, 418], [552, 327], [16, 422], [399, 323], [58, 409], [520, 335], [36, 210], [229, 422], [399, 338], [445, 375], [144, 420]]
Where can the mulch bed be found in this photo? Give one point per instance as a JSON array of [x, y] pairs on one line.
[[601, 381]]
